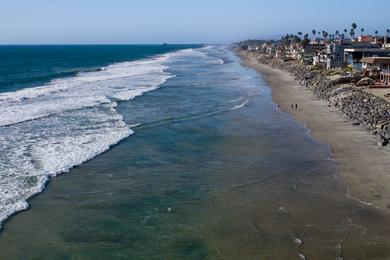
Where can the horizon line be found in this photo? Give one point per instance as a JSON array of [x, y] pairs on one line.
[[163, 43]]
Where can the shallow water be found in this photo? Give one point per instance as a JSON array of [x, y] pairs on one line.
[[214, 170], [48, 129]]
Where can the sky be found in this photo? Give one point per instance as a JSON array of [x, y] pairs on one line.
[[179, 21]]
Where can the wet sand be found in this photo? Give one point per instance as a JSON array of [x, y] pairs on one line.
[[365, 167]]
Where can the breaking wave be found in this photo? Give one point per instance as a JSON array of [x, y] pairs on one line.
[[49, 129]]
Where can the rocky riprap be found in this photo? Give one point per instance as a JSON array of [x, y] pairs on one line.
[[362, 108]]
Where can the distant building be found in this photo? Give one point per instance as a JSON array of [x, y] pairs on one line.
[[366, 38], [278, 54], [354, 56], [335, 52], [270, 50], [263, 48], [335, 55], [251, 45], [292, 51], [320, 58], [311, 51], [253, 48], [316, 40], [386, 43], [377, 66]]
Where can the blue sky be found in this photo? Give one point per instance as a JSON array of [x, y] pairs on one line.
[[179, 21]]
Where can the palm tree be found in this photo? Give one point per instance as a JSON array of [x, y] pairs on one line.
[[337, 33], [325, 34], [305, 40], [352, 33], [314, 33], [354, 26], [388, 32], [345, 32], [362, 31], [376, 33]]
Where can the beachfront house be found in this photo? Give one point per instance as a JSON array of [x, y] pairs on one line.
[[317, 41], [251, 45], [253, 48], [270, 50], [263, 48], [278, 54], [311, 51], [385, 76], [354, 56], [366, 38], [335, 55], [336, 52], [386, 43], [320, 58], [377, 67], [292, 51]]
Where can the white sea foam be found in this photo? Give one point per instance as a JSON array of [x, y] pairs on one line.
[[49, 129], [240, 105], [236, 100], [198, 54], [298, 241], [282, 210]]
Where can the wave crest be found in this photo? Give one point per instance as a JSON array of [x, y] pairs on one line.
[[49, 129]]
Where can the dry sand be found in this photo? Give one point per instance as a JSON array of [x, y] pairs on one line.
[[365, 167]]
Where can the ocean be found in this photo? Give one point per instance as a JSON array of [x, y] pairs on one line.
[[58, 107], [164, 152]]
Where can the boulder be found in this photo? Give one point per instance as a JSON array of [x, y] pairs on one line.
[[365, 82], [345, 80], [382, 142]]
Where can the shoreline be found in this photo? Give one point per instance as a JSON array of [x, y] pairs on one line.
[[201, 181], [364, 167]]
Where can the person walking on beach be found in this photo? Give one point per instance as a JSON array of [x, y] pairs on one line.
[[296, 106], [292, 107]]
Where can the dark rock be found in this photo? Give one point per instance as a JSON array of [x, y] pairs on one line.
[[382, 142], [347, 80], [365, 82]]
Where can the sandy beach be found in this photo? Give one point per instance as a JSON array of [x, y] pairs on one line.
[[364, 167]]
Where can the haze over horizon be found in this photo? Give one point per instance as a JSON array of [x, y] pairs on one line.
[[174, 21]]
